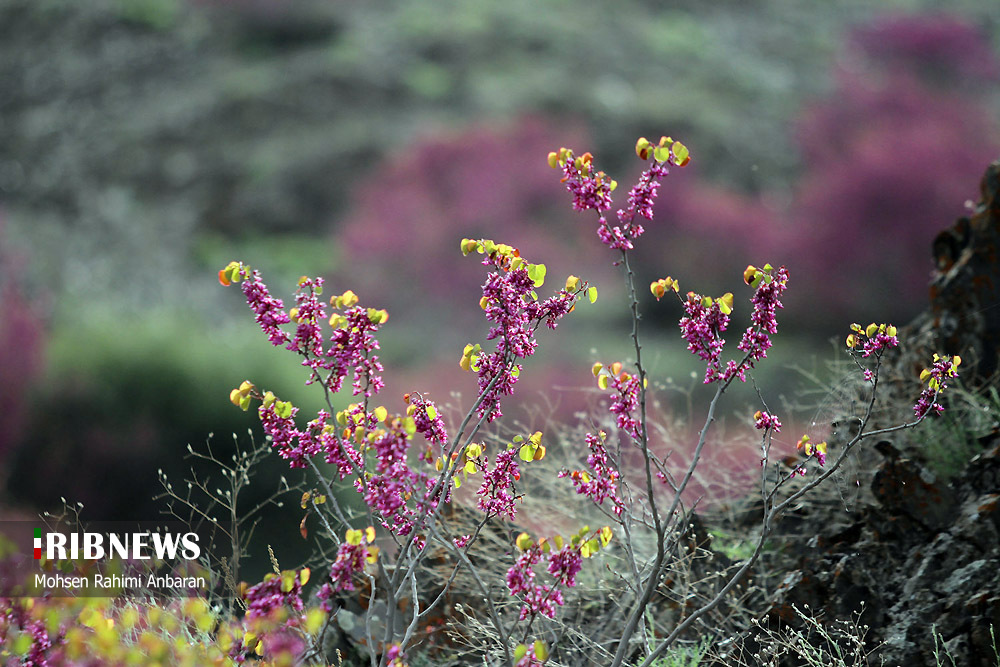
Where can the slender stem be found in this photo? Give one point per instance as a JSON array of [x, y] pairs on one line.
[[651, 583]]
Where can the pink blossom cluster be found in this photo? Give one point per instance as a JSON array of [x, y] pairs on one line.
[[936, 378], [763, 421], [817, 450], [702, 327], [267, 596], [625, 402], [763, 319], [352, 348], [352, 344], [350, 561], [565, 564], [394, 482], [496, 494], [592, 189], [308, 313], [640, 201], [432, 428], [601, 483], [538, 598], [388, 488], [284, 435], [268, 310], [515, 314], [44, 649], [869, 341], [877, 343]]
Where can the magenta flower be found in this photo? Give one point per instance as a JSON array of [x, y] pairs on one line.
[[565, 564], [350, 561], [268, 311], [601, 483], [764, 421], [284, 435], [267, 596], [936, 378], [431, 427], [702, 327], [770, 285], [625, 400], [511, 305], [352, 348], [592, 189], [538, 599], [496, 495]]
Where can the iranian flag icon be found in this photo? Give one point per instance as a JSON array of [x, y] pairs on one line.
[[38, 543]]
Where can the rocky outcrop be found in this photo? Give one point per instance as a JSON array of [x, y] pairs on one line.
[[919, 563], [964, 314], [924, 559]]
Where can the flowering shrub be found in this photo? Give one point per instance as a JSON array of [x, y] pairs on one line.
[[403, 496], [370, 445]]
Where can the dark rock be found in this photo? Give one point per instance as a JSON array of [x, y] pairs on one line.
[[921, 562], [963, 317]]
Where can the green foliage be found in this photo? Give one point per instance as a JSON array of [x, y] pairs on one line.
[[157, 14], [951, 439], [680, 655], [734, 547]]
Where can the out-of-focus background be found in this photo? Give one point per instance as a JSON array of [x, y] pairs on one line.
[[146, 143]]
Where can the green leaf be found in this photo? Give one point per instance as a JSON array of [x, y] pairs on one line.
[[592, 294], [431, 412], [315, 620], [527, 453], [681, 152], [537, 274], [287, 581], [519, 652], [541, 650], [661, 153]]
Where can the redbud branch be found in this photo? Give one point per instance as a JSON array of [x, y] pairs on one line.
[[776, 509], [653, 580]]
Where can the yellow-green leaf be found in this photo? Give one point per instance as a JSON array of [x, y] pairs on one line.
[[541, 650], [287, 581], [315, 619], [681, 153]]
